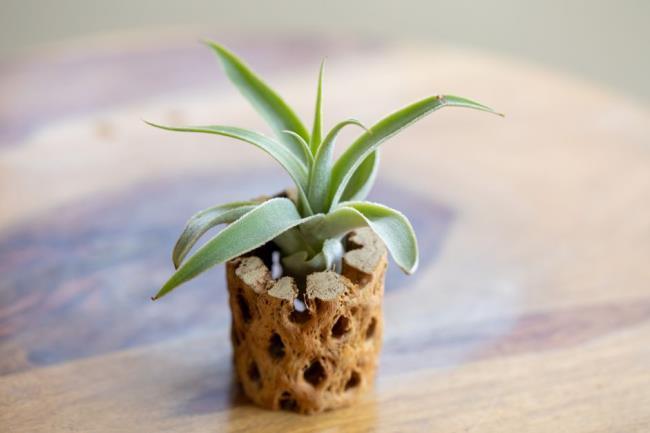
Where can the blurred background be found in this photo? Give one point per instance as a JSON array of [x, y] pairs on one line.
[[604, 41]]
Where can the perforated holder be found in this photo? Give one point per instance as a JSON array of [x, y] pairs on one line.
[[314, 349]]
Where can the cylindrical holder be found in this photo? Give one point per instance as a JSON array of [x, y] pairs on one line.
[[311, 350]]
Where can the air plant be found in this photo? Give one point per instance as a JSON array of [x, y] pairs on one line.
[[307, 227]]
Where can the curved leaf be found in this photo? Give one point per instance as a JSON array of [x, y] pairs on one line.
[[268, 103], [291, 241], [203, 221], [391, 226], [319, 178], [363, 179], [303, 143], [329, 257], [358, 151], [316, 128], [288, 160], [252, 230]]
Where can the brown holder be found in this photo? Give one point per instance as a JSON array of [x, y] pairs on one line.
[[315, 358]]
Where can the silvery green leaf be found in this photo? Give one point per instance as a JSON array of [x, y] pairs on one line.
[[296, 168], [289, 242], [203, 221], [316, 129], [295, 264], [321, 170], [391, 226], [267, 102], [329, 257], [252, 230], [345, 166], [332, 252], [305, 146], [363, 179]]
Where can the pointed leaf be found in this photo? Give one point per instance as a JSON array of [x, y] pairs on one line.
[[252, 230], [319, 180], [203, 221], [303, 143], [290, 242], [363, 179], [316, 129], [329, 257], [332, 253], [288, 160], [295, 264], [391, 226], [394, 229], [358, 151], [268, 103]]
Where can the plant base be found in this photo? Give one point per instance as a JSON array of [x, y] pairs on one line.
[[311, 350]]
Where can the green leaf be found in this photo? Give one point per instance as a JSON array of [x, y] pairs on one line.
[[299, 265], [358, 151], [291, 241], [268, 103], [316, 129], [332, 252], [203, 221], [252, 230], [363, 179], [303, 143], [293, 166], [391, 226], [395, 231], [319, 179]]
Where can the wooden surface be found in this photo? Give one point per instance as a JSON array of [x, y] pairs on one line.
[[530, 311]]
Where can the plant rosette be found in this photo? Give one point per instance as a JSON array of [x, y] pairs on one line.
[[308, 340]]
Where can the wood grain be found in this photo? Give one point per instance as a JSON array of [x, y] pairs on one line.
[[531, 310]]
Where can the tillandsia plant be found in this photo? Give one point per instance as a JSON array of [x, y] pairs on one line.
[[329, 194]]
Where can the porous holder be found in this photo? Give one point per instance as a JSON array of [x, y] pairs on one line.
[[311, 350]]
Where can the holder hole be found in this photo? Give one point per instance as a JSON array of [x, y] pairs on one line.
[[353, 381], [276, 347], [254, 372], [315, 374], [243, 308], [341, 327], [370, 331], [287, 402], [300, 313]]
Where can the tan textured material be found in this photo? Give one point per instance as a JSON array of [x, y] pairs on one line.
[[314, 351]]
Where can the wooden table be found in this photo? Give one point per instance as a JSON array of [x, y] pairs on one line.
[[531, 309]]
